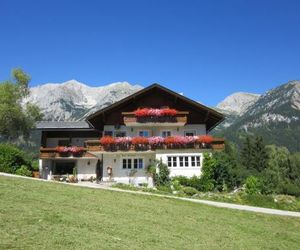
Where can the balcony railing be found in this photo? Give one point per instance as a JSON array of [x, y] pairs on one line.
[[52, 153], [133, 121], [95, 145]]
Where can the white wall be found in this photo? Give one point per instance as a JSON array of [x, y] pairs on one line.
[[86, 168], [185, 171], [200, 129], [123, 175]]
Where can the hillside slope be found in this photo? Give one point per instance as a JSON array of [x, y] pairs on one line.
[[41, 215]]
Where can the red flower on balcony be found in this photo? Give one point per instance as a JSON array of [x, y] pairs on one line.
[[107, 140], [140, 140], [205, 139], [169, 112], [62, 149], [146, 112]]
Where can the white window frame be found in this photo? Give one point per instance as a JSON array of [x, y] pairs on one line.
[[132, 163], [186, 163]]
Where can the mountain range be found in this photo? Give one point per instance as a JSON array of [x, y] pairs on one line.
[[275, 115]]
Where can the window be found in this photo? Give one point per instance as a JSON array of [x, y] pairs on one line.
[[165, 133], [169, 161], [174, 161], [129, 163], [120, 134], [193, 162], [144, 133], [108, 133], [190, 133], [181, 161], [186, 161], [198, 163]]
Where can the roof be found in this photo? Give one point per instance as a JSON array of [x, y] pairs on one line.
[[217, 116], [44, 125]]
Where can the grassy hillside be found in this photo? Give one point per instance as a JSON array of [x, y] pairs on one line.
[[50, 216]]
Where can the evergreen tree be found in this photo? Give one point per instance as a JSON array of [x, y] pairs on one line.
[[260, 156]]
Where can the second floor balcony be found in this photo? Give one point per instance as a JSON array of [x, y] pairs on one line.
[[155, 117]]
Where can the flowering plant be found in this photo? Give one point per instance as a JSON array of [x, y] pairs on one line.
[[156, 140], [62, 149], [140, 140], [75, 150], [107, 140], [123, 140], [144, 112], [205, 139]]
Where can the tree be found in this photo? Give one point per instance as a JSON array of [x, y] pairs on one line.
[[260, 156], [16, 117]]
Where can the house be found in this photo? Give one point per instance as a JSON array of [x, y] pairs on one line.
[[119, 142]]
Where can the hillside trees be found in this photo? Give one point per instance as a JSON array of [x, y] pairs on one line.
[[16, 118]]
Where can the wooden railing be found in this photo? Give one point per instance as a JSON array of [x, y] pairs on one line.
[[131, 120], [94, 145], [52, 153]]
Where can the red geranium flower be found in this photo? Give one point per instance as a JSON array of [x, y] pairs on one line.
[[107, 140], [140, 140], [205, 139]]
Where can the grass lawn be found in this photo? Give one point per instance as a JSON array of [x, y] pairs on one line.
[[40, 215]]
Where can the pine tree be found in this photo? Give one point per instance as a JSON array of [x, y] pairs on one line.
[[260, 155]]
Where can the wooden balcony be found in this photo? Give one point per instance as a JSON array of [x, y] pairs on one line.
[[51, 153], [218, 144], [164, 121]]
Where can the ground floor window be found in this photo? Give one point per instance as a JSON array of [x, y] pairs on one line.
[[184, 161], [132, 163]]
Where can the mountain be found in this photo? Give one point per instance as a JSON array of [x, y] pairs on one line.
[[238, 103], [73, 100], [275, 115]]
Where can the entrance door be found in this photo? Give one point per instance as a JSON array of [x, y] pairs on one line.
[[99, 170]]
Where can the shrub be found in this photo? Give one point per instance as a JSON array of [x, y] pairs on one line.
[[35, 165], [190, 191], [24, 171], [11, 158], [291, 189], [162, 178], [252, 185]]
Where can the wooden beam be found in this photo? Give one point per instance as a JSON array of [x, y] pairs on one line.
[[206, 117]]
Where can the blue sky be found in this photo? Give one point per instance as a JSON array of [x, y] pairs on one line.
[[205, 49]]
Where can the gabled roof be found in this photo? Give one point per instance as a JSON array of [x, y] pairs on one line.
[[58, 125], [215, 115]]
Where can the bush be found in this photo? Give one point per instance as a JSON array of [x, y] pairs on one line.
[[291, 189], [162, 178], [24, 171], [35, 165], [252, 185], [190, 191], [12, 158]]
